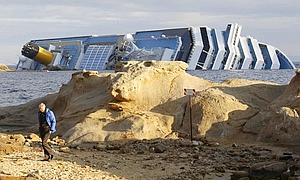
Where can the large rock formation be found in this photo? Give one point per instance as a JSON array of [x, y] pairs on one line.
[[284, 123], [146, 100]]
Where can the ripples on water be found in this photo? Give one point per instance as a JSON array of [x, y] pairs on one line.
[[276, 76], [21, 87]]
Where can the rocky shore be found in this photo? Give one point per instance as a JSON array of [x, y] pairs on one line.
[[145, 159], [134, 124]]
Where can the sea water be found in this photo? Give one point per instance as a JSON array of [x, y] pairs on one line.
[[21, 87]]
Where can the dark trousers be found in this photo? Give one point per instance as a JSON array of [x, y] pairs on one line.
[[45, 135]]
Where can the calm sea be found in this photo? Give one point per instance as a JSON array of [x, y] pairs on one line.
[[21, 87]]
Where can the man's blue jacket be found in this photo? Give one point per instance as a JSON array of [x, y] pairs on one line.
[[50, 118]]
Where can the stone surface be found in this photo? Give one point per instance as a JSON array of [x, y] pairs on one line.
[[34, 137], [149, 159], [158, 148], [268, 170], [145, 100], [18, 138]]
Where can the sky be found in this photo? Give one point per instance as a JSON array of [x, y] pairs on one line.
[[276, 22]]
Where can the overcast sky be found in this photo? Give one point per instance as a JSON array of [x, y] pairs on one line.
[[276, 22]]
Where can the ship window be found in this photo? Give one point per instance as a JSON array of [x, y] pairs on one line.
[[96, 57]]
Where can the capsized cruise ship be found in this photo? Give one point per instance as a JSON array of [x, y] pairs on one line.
[[203, 48]]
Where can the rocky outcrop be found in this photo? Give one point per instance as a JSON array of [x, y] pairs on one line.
[[213, 106], [93, 107], [129, 97], [148, 84], [283, 123], [145, 100]]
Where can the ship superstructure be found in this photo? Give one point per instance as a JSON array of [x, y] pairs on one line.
[[203, 48]]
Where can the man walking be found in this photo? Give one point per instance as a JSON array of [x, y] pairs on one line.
[[47, 123]]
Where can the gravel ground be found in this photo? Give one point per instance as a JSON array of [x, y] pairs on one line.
[[30, 164], [146, 159]]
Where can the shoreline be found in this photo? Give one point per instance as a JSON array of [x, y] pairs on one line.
[[121, 113], [230, 89]]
